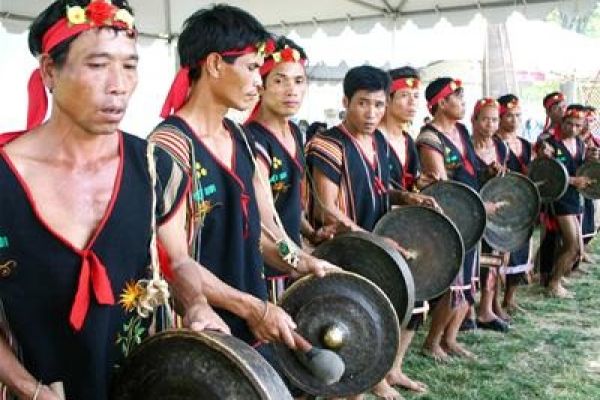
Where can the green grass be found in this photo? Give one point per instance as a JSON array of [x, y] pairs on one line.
[[551, 352]]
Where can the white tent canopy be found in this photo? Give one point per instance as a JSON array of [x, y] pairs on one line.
[[164, 18], [352, 32]]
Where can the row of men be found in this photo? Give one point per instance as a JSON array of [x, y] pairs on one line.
[[77, 205]]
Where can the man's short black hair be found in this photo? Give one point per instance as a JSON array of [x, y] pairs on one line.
[[548, 96], [366, 78], [434, 88], [591, 109], [507, 98], [49, 17], [576, 107], [215, 30], [405, 72]]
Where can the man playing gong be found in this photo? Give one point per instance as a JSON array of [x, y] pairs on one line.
[[79, 202], [405, 93], [445, 150], [349, 165], [569, 149]]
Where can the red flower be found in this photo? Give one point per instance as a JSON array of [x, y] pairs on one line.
[[287, 54], [99, 12], [270, 46]]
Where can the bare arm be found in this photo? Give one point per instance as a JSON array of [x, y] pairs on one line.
[[273, 232], [432, 163], [326, 207], [19, 381], [194, 285]]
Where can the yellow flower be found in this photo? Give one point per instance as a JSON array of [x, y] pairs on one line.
[[125, 17], [131, 295], [76, 15]]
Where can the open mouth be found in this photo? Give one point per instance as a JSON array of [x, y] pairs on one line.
[[113, 113]]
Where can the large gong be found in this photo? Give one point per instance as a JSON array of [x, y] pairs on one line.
[[591, 169], [517, 199], [463, 206], [550, 176], [433, 242], [186, 365], [507, 240], [371, 257], [350, 315]]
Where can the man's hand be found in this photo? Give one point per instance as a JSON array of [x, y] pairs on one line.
[[200, 316], [406, 254], [581, 182], [418, 199], [47, 394], [427, 178], [495, 169], [544, 150], [328, 232], [492, 208], [272, 324], [312, 265]]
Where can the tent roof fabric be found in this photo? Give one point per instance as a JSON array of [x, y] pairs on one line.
[[164, 18]]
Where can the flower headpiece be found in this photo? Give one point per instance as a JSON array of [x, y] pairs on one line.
[[485, 102], [446, 91], [557, 98], [574, 113], [511, 105], [77, 19], [287, 54], [405, 83], [100, 13]]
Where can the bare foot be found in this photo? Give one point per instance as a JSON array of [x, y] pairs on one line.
[[455, 348], [560, 292], [398, 378], [513, 308], [384, 391], [436, 352]]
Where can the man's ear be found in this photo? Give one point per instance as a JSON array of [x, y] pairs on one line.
[[345, 102], [214, 65], [48, 71]]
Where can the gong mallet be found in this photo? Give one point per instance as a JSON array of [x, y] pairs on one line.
[[323, 364]]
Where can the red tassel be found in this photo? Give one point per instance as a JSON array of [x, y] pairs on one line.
[[38, 102], [92, 272], [254, 113], [164, 261], [177, 94]]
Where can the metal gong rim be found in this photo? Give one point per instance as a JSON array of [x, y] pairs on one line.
[[435, 245], [371, 257], [591, 169], [520, 198], [186, 365], [551, 178], [463, 206], [357, 307], [507, 240]]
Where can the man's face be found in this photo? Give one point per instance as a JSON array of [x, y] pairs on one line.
[[365, 110], [511, 120], [453, 106], [486, 123], [95, 83], [572, 127], [284, 89], [240, 81], [556, 111], [403, 104], [590, 123]]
